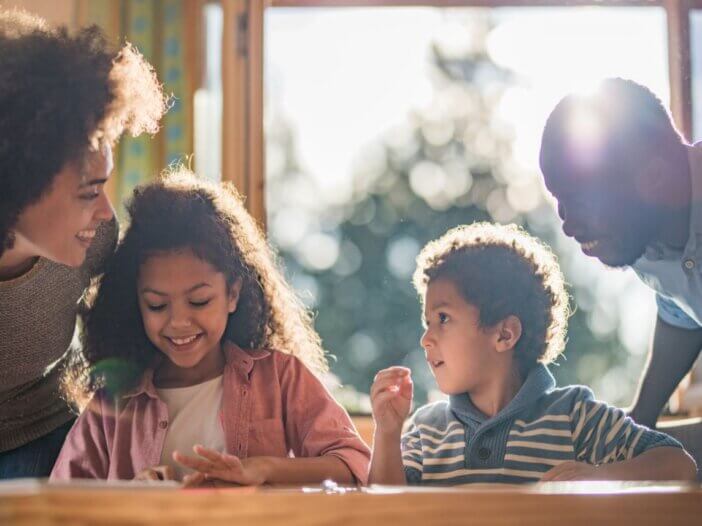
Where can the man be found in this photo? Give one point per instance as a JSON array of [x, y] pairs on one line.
[[629, 190]]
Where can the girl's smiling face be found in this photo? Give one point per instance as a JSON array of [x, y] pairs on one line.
[[185, 304]]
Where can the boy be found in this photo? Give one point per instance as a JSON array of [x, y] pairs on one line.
[[495, 311]]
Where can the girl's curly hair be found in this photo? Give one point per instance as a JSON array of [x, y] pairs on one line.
[[174, 213], [62, 95], [503, 271]]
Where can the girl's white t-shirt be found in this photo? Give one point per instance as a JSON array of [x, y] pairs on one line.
[[194, 418]]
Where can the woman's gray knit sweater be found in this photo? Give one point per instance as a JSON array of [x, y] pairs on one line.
[[37, 320]]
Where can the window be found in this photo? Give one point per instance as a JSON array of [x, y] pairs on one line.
[[384, 126]]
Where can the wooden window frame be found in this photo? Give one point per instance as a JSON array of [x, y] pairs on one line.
[[243, 142]]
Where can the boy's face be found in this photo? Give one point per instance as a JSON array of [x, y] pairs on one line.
[[460, 353], [185, 305]]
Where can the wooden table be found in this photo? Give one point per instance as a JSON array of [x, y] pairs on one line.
[[562, 504]]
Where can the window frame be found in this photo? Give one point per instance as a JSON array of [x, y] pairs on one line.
[[243, 141]]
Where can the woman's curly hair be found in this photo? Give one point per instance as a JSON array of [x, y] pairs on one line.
[[181, 212], [62, 95], [503, 271]]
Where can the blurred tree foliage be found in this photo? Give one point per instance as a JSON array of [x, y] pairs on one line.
[[451, 165]]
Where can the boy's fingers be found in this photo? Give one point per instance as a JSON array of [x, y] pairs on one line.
[[395, 372], [382, 384], [382, 376], [406, 388], [383, 399]]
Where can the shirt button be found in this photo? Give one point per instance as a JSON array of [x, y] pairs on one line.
[[689, 264], [483, 453], [163, 424]]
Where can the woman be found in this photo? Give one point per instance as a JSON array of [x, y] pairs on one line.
[[65, 99]]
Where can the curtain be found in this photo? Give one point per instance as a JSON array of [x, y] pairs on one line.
[[164, 31]]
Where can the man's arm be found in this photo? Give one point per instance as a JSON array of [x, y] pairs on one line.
[[661, 463], [673, 352]]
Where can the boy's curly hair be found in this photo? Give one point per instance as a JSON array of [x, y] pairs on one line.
[[181, 212], [62, 95], [503, 271]]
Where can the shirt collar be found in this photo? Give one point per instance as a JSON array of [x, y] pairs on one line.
[[538, 382], [236, 357], [659, 251]]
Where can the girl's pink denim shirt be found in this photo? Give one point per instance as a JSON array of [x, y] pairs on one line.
[[272, 405]]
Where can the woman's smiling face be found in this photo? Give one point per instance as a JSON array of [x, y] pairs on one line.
[[61, 225]]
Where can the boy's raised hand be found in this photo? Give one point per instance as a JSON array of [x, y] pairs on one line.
[[391, 399], [211, 465]]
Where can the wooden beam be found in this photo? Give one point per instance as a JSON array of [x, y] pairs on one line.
[[194, 54], [553, 504], [463, 3], [256, 141], [234, 96], [242, 88], [679, 65]]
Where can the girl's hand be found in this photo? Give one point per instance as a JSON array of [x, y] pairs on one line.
[[211, 465], [572, 470], [391, 399], [156, 473]]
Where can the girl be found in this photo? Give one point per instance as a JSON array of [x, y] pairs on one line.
[[180, 336], [65, 99]]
